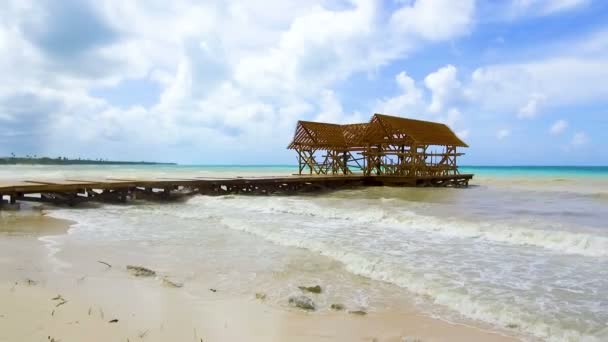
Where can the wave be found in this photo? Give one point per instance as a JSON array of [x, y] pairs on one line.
[[233, 212], [491, 311], [555, 240]]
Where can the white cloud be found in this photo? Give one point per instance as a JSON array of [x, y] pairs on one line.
[[562, 81], [532, 107], [409, 102], [464, 134], [503, 133], [330, 110], [226, 69], [579, 139], [558, 127], [452, 117], [520, 8], [444, 86], [435, 19]]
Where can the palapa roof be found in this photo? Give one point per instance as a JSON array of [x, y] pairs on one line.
[[318, 135], [421, 132], [381, 129], [354, 133]]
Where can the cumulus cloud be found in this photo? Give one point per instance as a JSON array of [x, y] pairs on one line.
[[452, 117], [435, 19], [532, 107], [524, 89], [558, 127], [444, 86], [330, 110], [409, 102], [228, 72], [412, 101]]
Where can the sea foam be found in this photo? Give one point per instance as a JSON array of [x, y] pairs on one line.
[[551, 238], [495, 311]]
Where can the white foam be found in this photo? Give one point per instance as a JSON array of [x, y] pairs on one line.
[[559, 241], [494, 311], [326, 226]]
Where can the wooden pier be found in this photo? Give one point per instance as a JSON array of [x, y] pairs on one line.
[[115, 190], [386, 151]]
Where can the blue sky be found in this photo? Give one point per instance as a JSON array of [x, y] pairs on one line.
[[224, 82]]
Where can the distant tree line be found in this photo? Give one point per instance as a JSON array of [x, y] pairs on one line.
[[35, 160]]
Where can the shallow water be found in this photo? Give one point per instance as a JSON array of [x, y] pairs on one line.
[[527, 254]]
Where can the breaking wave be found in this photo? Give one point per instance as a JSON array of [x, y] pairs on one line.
[[551, 238], [490, 311]]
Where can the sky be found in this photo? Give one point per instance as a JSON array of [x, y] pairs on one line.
[[523, 82]]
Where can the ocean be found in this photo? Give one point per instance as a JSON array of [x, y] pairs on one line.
[[524, 250]]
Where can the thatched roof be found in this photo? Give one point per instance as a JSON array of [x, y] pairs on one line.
[[381, 129]]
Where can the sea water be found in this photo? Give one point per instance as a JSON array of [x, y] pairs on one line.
[[523, 249]]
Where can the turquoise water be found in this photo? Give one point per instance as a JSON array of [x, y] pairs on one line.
[[537, 171], [509, 171], [20, 171]]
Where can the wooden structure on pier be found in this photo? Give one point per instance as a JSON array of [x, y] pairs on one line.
[[326, 148], [387, 151], [386, 146]]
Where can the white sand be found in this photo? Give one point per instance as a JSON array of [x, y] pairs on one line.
[[147, 310]]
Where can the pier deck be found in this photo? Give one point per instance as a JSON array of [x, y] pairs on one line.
[[74, 191]]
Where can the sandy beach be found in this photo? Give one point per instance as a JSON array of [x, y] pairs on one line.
[[510, 258], [41, 302]]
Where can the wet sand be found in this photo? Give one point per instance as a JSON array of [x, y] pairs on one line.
[[32, 222], [146, 309]]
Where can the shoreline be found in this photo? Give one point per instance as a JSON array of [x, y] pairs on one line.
[[146, 307]]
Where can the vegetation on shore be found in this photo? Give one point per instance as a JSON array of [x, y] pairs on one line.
[[35, 160]]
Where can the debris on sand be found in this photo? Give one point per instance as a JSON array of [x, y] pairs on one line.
[[113, 321], [213, 290], [31, 282], [512, 326], [358, 312], [312, 289], [60, 300], [260, 296], [172, 284], [105, 263], [337, 307], [140, 271], [302, 302]]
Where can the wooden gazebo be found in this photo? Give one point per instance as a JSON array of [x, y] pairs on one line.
[[324, 148], [387, 145]]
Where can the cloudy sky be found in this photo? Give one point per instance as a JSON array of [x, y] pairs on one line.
[[224, 82]]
